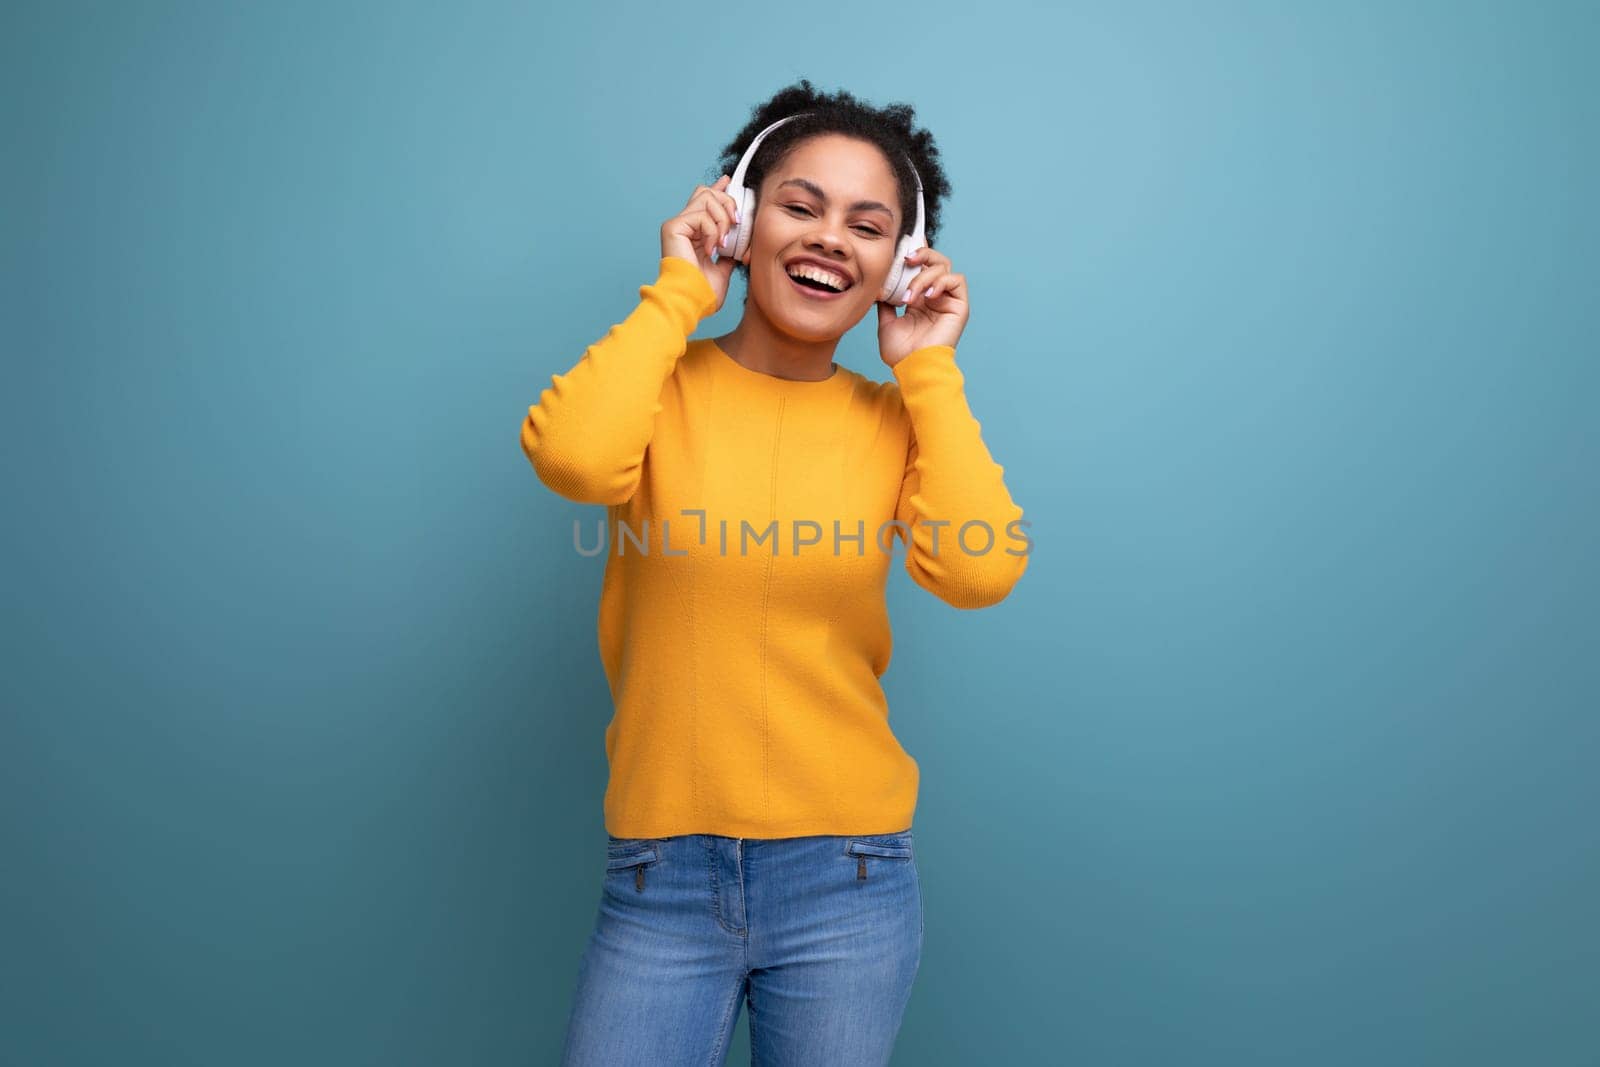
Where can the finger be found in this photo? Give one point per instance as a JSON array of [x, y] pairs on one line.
[[708, 232], [722, 210], [718, 208], [703, 188], [920, 284], [951, 284], [728, 198]]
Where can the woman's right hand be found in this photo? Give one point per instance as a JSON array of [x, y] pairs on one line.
[[696, 231]]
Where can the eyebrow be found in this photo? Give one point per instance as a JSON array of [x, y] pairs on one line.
[[816, 190]]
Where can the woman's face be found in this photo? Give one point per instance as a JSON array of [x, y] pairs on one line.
[[834, 201]]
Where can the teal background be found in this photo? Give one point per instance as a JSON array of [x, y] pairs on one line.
[[1284, 329]]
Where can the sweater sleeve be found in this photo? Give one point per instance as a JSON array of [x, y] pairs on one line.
[[586, 437], [951, 478]]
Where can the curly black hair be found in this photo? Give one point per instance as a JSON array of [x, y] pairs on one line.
[[889, 127]]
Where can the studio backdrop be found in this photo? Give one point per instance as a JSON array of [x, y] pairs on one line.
[[1283, 329]]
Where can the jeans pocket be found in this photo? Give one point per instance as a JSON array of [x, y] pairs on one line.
[[631, 854], [879, 848]]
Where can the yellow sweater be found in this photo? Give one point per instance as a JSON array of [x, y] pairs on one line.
[[744, 652]]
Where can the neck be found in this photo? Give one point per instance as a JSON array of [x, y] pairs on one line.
[[760, 346]]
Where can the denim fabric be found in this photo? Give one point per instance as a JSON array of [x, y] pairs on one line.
[[821, 936]]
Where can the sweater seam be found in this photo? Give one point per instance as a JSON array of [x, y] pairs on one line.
[[766, 601]]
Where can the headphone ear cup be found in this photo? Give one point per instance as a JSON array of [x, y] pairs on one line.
[[736, 242], [892, 281], [901, 274]]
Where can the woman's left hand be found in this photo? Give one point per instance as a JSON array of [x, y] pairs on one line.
[[935, 319]]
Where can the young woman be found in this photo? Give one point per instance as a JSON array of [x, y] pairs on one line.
[[759, 807]]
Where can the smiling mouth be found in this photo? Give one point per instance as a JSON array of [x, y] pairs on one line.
[[815, 290]]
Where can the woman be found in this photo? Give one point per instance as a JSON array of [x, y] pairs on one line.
[[759, 808]]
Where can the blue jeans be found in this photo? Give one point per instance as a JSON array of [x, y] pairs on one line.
[[821, 936]]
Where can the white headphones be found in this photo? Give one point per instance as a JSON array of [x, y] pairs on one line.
[[736, 242]]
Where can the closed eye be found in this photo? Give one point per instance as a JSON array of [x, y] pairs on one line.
[[871, 230]]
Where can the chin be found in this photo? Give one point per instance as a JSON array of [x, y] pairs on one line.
[[802, 319], [808, 334]]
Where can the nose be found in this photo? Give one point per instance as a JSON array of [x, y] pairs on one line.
[[826, 240]]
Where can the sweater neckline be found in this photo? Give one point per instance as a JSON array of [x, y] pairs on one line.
[[837, 382]]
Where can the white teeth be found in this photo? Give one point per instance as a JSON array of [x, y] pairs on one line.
[[817, 274]]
